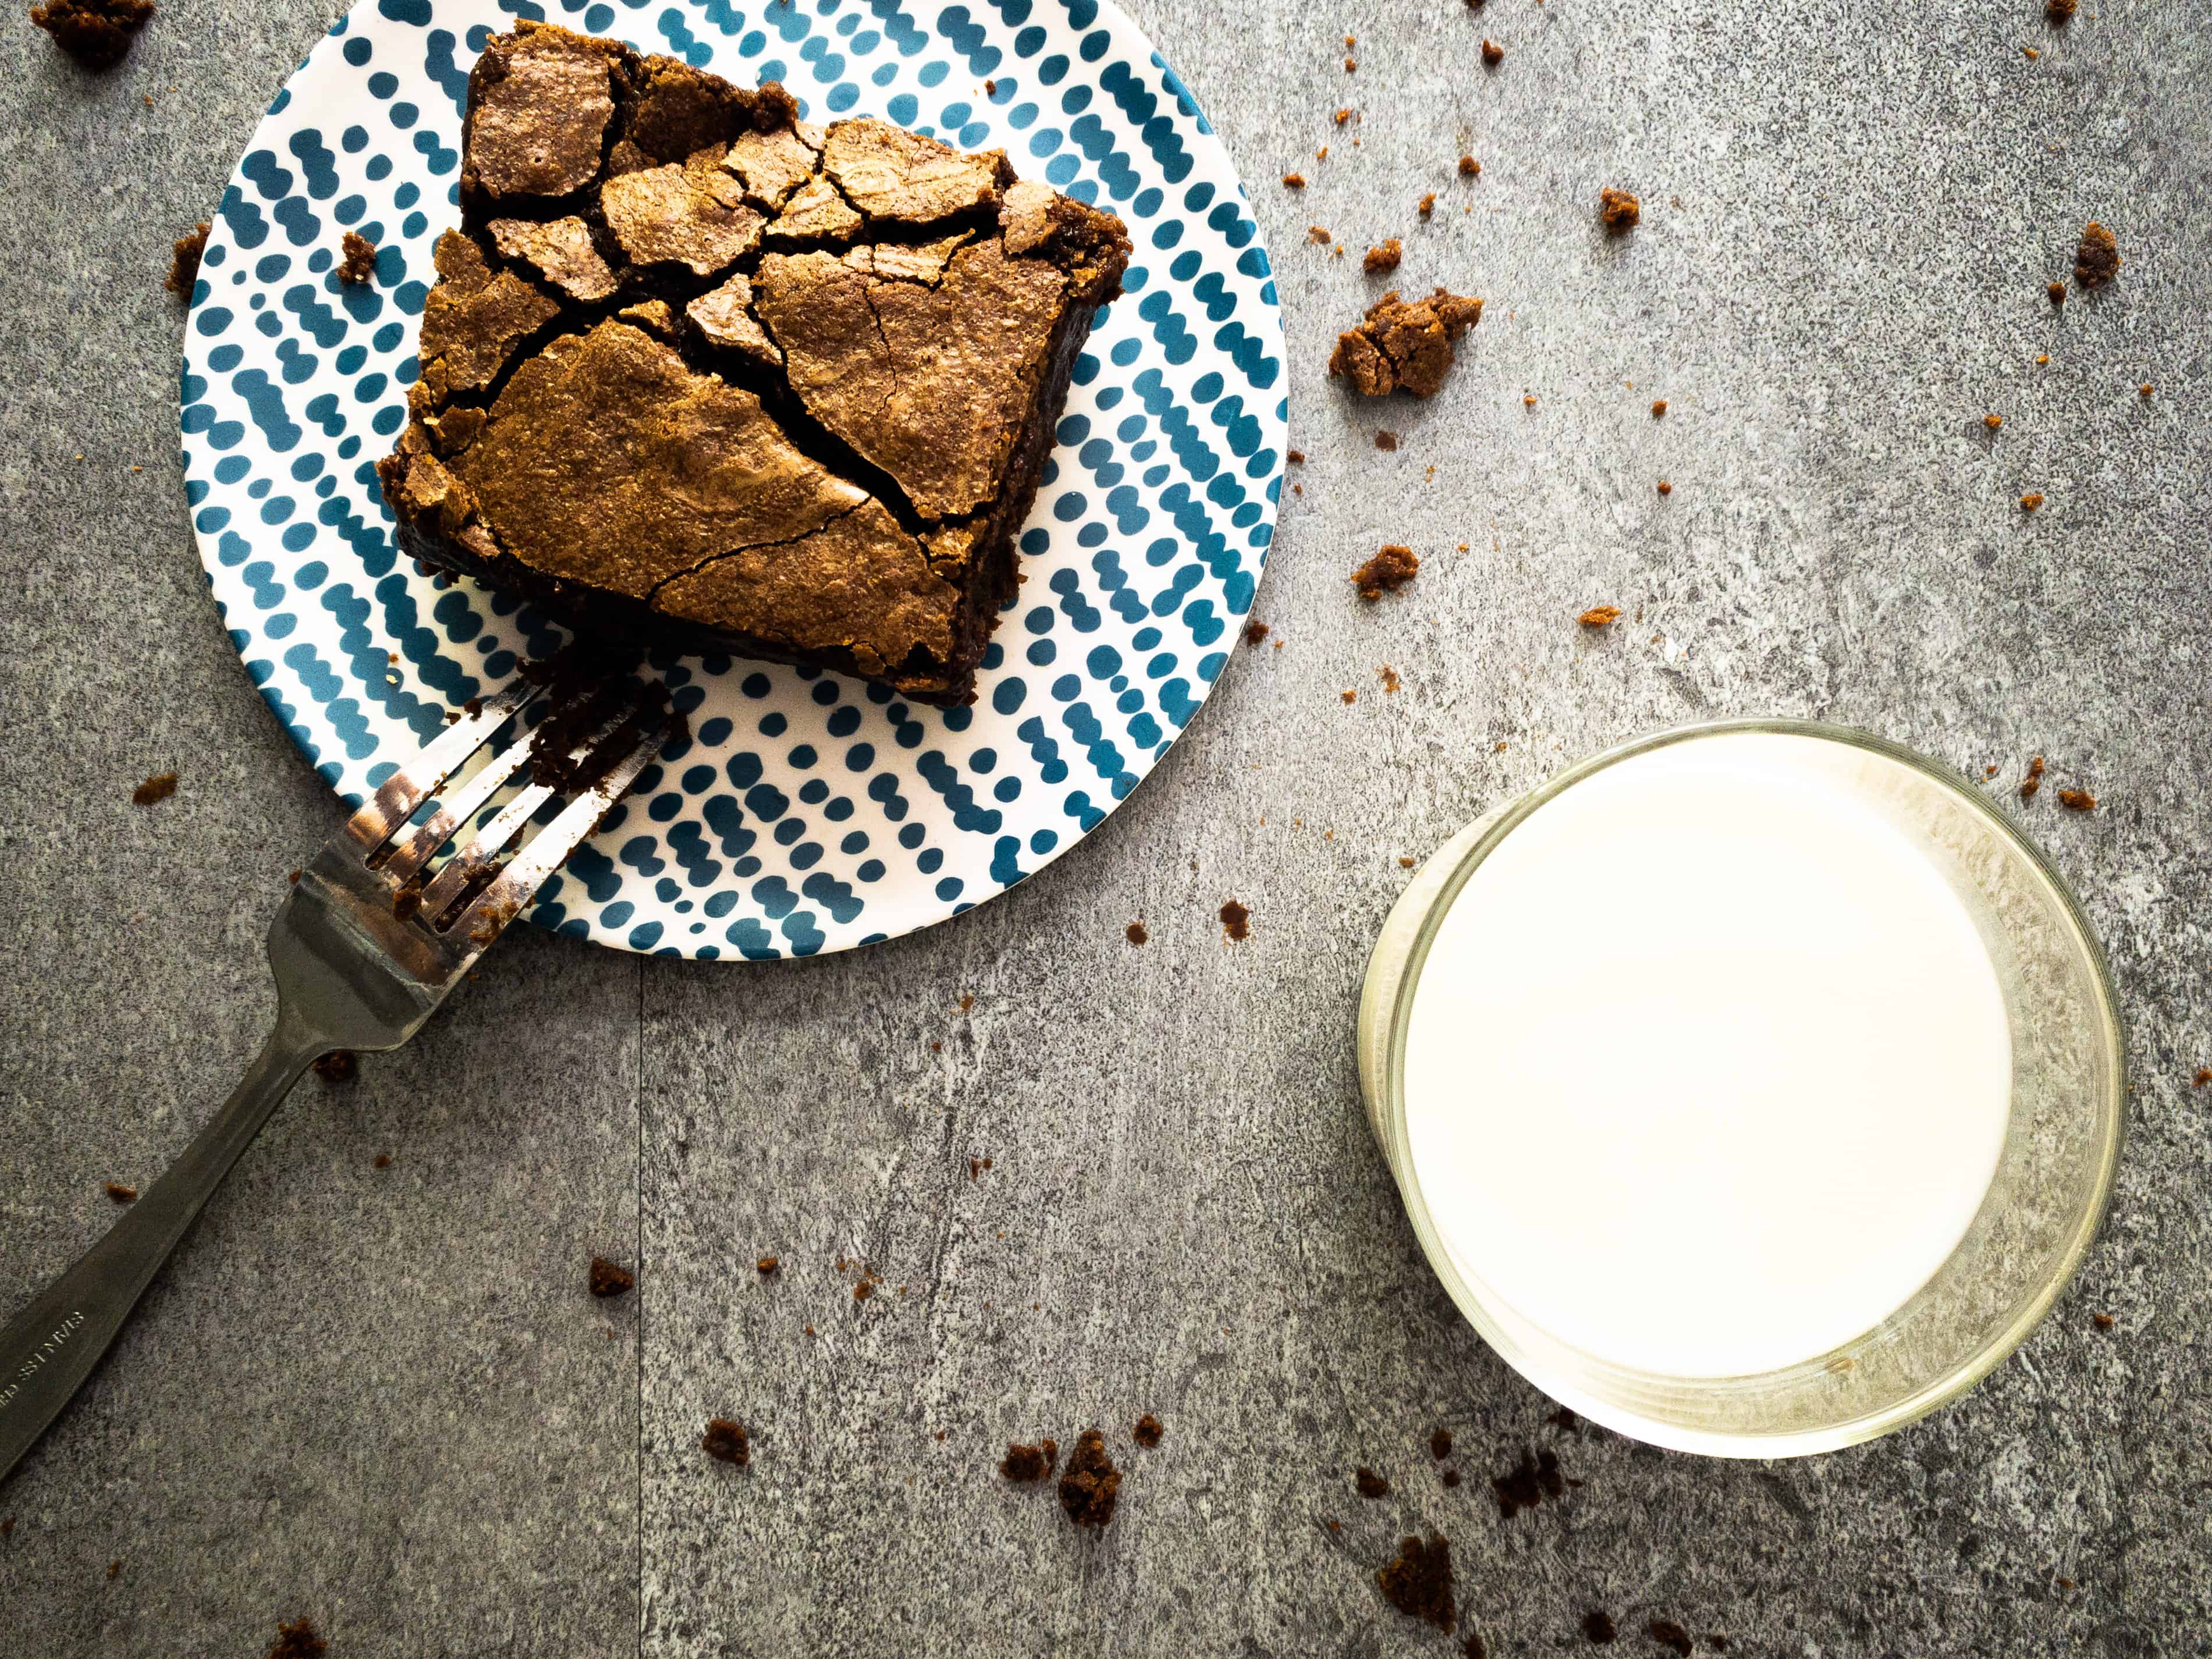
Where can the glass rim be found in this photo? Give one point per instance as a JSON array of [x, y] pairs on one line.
[[1995, 1348]]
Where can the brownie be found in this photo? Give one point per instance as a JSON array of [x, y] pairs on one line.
[[97, 32], [697, 374], [185, 260]]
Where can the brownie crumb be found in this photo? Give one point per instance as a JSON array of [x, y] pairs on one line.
[[1469, 167], [863, 1289], [1255, 633], [1135, 933], [2056, 291], [766, 1265], [1451, 1477], [1419, 1584], [2031, 501], [2034, 781], [1148, 1432], [1350, 64], [1236, 921], [1024, 1464], [1598, 1626], [1399, 346], [1440, 1441], [1492, 53], [1658, 407], [2103, 1322], [1668, 1634], [608, 1280], [2097, 260], [358, 268], [2058, 11], [1383, 258], [1993, 422], [2080, 800], [158, 788], [2033, 54], [115, 1566], [1529, 1483], [1087, 1490], [1618, 210], [1665, 487], [1472, 1647], [383, 1161], [1385, 439], [7, 1526], [97, 32], [1427, 204], [298, 1640], [1388, 676], [727, 1441], [185, 261], [1350, 697], [1390, 569], [1598, 616], [1405, 863], [1295, 457], [1370, 1484], [2204, 1079], [1294, 181], [339, 1066], [121, 1194]]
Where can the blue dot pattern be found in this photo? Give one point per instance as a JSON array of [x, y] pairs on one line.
[[805, 812]]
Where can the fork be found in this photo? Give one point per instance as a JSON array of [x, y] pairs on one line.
[[364, 948]]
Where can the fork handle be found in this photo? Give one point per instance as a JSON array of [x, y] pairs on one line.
[[48, 1349]]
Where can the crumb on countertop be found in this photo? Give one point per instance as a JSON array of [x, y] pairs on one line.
[[1492, 53], [298, 1640], [1419, 1584], [97, 32], [1666, 488], [1369, 1484], [2034, 781], [726, 1442], [1404, 347], [766, 1265], [1383, 257], [2104, 1321], [1427, 204], [1599, 1627], [2056, 291], [1385, 439], [185, 260], [158, 787], [1668, 1634], [1993, 422], [1469, 167], [1135, 933], [1088, 1488], [1600, 615], [1236, 921], [1658, 407], [1024, 1464], [2031, 501], [1618, 210], [1294, 180], [339, 1066], [2078, 800], [1148, 1433], [1390, 569], [2097, 260], [121, 1194], [609, 1279]]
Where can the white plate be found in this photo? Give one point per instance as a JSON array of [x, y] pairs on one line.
[[808, 813]]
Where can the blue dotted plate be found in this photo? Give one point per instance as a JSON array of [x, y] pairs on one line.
[[807, 812]]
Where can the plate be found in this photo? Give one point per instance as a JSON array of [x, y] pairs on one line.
[[807, 812]]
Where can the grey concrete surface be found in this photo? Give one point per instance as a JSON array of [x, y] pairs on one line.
[[382, 1397]]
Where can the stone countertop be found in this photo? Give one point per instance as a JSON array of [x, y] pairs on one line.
[[384, 1398]]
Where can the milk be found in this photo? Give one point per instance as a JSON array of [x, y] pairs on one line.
[[1707, 1070]]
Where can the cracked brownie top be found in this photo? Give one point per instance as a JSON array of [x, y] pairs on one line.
[[694, 366]]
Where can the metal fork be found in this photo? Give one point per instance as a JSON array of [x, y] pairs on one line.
[[364, 948]]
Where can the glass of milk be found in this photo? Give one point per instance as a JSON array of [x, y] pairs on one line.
[[1754, 1088]]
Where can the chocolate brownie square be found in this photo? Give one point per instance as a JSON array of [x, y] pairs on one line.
[[699, 373]]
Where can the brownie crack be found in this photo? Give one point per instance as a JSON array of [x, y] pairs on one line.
[[727, 553]]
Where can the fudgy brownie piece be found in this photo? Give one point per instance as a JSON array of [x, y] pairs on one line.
[[698, 373], [1089, 1488]]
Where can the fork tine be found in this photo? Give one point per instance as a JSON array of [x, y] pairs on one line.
[[474, 862], [518, 884], [399, 795], [407, 853]]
